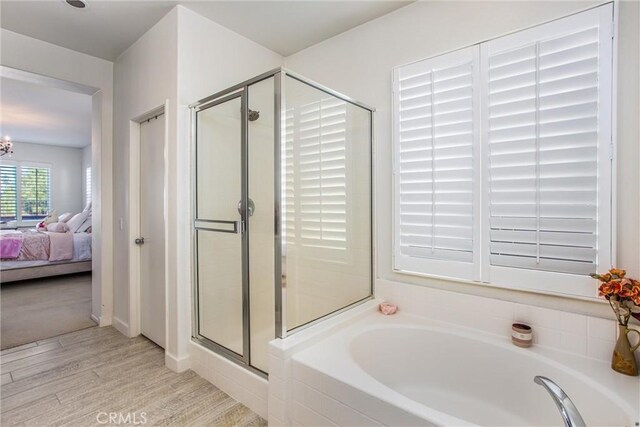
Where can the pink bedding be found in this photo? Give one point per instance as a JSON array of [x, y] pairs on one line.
[[39, 245], [60, 246], [35, 246], [10, 244]]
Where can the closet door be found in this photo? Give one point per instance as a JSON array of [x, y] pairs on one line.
[[152, 230]]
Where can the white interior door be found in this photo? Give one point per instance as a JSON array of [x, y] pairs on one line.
[[152, 235]]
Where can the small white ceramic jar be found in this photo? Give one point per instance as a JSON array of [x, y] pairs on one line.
[[521, 335]]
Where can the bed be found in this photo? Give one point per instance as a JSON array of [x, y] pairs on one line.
[[31, 254]]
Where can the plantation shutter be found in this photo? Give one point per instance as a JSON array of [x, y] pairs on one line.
[[8, 192], [321, 159], [34, 192], [436, 164], [547, 121], [87, 184]]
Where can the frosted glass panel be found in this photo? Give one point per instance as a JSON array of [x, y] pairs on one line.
[[220, 288], [261, 142], [326, 193], [219, 254]]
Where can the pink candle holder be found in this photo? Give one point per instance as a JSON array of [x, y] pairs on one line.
[[388, 309]]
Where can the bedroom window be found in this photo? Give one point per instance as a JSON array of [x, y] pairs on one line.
[[503, 156], [25, 192], [87, 184], [8, 193], [35, 185]]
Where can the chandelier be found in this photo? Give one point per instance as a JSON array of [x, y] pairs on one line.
[[6, 146]]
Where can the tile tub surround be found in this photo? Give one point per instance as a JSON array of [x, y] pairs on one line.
[[326, 384], [588, 336], [238, 382]]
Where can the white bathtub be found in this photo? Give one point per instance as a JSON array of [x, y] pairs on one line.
[[404, 370]]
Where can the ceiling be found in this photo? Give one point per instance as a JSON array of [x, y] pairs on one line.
[[106, 28], [287, 27], [44, 115]]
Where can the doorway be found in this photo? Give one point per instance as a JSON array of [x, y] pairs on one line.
[[151, 239]]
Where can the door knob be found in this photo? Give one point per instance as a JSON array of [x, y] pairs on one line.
[[250, 207], [139, 241]]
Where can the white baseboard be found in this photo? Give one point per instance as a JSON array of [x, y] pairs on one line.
[[176, 364], [121, 326]]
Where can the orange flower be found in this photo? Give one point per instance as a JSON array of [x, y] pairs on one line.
[[626, 291], [617, 272], [609, 288], [636, 299]]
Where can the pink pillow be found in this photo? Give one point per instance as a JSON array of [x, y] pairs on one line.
[[58, 227]]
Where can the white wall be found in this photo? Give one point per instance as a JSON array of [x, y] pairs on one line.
[[145, 78], [183, 58], [210, 59], [66, 172], [359, 63], [35, 56]]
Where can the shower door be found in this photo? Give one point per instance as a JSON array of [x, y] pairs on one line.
[[221, 242]]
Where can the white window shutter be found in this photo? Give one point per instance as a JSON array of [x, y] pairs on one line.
[[546, 144], [8, 192], [315, 157], [436, 165]]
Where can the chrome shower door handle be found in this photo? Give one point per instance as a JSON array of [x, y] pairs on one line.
[[251, 207]]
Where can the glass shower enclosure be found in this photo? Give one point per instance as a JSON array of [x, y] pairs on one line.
[[282, 215]]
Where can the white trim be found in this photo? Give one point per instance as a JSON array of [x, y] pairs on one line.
[[614, 132], [176, 364], [121, 326]]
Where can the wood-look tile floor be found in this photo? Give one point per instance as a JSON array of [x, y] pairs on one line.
[[78, 379]]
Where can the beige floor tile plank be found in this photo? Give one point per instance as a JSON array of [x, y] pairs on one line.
[[100, 370], [76, 380], [93, 402], [18, 348], [206, 403], [23, 381], [43, 362], [31, 410], [5, 378], [27, 352], [75, 362]]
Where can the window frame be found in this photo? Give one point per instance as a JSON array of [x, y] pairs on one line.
[[539, 281], [19, 165]]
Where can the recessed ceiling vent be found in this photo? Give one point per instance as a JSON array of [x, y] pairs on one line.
[[76, 3]]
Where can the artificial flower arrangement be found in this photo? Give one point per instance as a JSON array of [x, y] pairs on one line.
[[622, 293]]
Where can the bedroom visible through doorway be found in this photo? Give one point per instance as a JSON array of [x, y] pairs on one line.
[[46, 229]]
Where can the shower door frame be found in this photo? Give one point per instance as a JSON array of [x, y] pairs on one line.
[[241, 228], [242, 89]]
